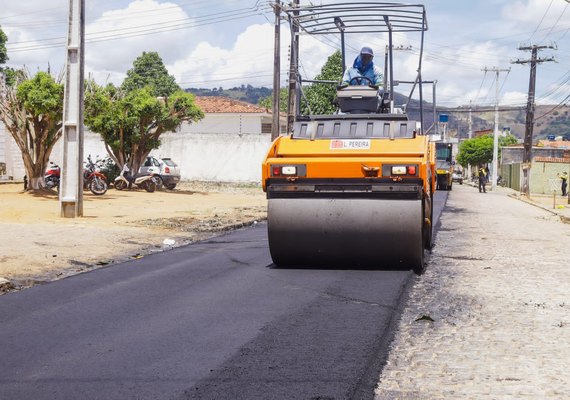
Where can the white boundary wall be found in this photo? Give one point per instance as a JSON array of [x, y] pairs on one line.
[[221, 147]]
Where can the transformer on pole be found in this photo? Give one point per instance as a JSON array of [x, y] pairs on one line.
[[71, 186]]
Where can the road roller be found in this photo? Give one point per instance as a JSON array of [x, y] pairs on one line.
[[353, 189]]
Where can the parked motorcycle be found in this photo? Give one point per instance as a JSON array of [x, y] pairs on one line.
[[125, 180], [93, 179], [52, 176]]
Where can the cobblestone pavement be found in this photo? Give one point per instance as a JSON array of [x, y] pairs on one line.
[[490, 318]]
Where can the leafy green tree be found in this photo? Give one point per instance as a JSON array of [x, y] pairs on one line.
[[479, 150], [149, 70], [131, 118], [319, 97], [10, 75], [32, 111], [3, 51], [267, 102], [507, 141], [131, 123]]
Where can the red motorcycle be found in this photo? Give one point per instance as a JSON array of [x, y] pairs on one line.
[[52, 176], [93, 179]]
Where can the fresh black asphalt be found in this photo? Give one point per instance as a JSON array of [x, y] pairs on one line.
[[212, 320]]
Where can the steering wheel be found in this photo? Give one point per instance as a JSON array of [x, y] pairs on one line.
[[360, 79]]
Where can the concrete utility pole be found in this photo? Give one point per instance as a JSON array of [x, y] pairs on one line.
[[71, 186], [276, 72], [496, 130], [529, 125], [293, 100]]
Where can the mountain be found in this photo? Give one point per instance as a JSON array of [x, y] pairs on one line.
[[548, 119], [245, 93]]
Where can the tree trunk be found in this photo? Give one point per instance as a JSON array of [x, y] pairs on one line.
[[36, 183]]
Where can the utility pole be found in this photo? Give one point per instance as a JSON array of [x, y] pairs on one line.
[[293, 100], [276, 72], [496, 130], [529, 124], [71, 186], [470, 133]]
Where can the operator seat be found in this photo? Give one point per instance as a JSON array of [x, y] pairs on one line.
[[360, 99]]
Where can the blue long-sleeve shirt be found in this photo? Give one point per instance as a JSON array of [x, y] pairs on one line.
[[371, 72]]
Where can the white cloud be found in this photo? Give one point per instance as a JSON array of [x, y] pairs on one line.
[[109, 59], [250, 60]]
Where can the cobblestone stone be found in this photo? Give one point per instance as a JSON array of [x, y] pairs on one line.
[[497, 288]]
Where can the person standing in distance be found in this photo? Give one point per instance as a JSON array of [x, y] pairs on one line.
[[564, 178], [363, 67], [482, 180]]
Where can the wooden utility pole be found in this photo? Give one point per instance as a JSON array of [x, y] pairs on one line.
[[71, 185], [529, 124], [275, 128]]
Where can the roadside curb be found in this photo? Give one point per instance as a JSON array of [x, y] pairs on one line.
[[564, 219]]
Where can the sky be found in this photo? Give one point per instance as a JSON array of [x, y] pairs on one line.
[[215, 43]]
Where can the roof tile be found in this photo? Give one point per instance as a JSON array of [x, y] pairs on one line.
[[217, 104]]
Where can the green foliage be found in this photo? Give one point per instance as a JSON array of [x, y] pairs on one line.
[[130, 119], [320, 97], [479, 151], [245, 93], [131, 123], [507, 141], [149, 71], [3, 51], [476, 151], [12, 76], [42, 95], [267, 102]]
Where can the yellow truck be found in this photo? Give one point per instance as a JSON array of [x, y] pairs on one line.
[[444, 165], [355, 188]]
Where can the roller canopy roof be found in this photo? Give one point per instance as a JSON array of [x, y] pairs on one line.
[[364, 17]]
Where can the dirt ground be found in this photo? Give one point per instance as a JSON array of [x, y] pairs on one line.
[[37, 245]]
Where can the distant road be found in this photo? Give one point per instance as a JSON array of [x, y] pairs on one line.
[[212, 320]]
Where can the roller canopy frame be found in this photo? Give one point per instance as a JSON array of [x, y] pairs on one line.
[[353, 18]]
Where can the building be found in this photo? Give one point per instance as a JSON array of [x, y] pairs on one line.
[[549, 158]]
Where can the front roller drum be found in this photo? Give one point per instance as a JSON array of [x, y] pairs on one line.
[[346, 232]]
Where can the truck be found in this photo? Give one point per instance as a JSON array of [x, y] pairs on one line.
[[444, 165], [354, 188]]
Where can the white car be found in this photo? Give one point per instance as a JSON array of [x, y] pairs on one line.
[[457, 176], [169, 172]]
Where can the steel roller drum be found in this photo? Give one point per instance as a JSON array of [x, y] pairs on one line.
[[345, 232]]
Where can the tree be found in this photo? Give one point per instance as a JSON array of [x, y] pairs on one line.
[[320, 97], [267, 102], [3, 51], [131, 123], [10, 75], [149, 70], [32, 111], [479, 150], [130, 119]]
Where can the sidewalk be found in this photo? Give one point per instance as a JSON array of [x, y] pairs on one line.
[[556, 205], [490, 318]]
